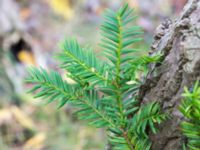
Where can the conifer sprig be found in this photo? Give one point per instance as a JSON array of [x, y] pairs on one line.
[[104, 92], [190, 108]]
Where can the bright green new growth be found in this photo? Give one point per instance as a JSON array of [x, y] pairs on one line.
[[105, 92], [190, 108]]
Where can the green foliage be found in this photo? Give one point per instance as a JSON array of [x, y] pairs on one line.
[[190, 108], [105, 91]]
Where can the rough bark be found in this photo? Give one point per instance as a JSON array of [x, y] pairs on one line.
[[179, 42]]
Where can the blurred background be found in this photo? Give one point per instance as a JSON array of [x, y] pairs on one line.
[[29, 34]]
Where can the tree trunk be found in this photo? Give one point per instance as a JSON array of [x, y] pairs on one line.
[[179, 42]]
